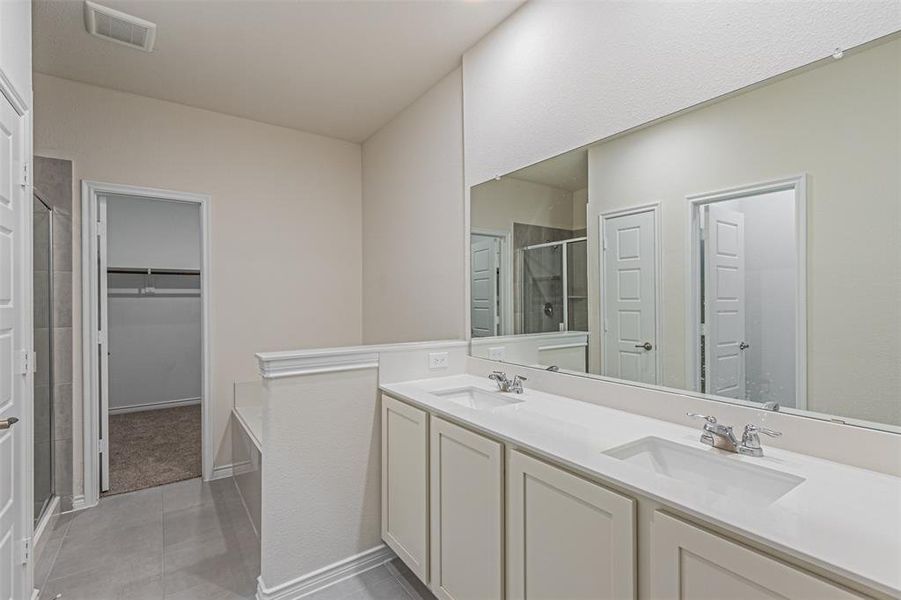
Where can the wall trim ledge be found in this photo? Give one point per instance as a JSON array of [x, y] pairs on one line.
[[310, 583], [275, 365]]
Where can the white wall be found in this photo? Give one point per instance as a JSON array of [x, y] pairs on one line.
[[498, 204], [143, 232], [412, 219], [558, 75], [285, 216], [154, 341], [787, 128]]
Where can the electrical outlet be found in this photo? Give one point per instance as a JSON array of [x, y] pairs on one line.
[[496, 353], [437, 360]]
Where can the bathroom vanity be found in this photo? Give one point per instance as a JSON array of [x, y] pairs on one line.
[[534, 495]]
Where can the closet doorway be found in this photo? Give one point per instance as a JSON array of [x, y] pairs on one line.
[[145, 294]]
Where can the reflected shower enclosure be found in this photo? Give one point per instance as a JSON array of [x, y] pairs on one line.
[[554, 286], [42, 252]]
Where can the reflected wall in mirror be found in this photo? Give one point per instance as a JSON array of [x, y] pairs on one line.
[[748, 249]]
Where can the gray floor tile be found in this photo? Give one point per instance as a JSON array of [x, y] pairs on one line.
[[386, 589], [116, 551], [414, 586], [46, 560], [193, 492]]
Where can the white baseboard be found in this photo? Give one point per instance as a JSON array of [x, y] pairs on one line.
[[121, 410], [322, 578], [222, 471], [78, 503]]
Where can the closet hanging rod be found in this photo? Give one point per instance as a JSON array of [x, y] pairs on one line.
[[152, 271]]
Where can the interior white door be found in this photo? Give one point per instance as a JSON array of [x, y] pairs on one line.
[[630, 298], [14, 374], [724, 301], [484, 266], [103, 341]]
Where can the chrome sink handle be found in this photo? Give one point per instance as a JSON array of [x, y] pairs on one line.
[[750, 440], [516, 384]]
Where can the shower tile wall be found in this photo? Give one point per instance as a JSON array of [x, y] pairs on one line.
[[53, 183]]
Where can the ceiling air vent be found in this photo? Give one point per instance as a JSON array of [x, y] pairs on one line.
[[115, 26]]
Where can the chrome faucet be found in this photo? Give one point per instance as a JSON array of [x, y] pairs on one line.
[[507, 385], [716, 434], [722, 437]]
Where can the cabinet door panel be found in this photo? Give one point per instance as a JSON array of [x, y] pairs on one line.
[[405, 483], [690, 563], [467, 491], [567, 537]]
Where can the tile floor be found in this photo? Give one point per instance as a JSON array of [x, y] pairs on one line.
[[393, 581], [183, 541]]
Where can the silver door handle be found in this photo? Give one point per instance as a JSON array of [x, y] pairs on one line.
[[7, 423], [646, 346]]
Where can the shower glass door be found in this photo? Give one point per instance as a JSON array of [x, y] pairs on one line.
[[542, 287], [43, 345]]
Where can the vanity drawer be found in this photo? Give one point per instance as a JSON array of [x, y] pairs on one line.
[[690, 563]]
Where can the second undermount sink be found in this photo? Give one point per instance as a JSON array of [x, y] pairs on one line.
[[708, 470], [477, 398]]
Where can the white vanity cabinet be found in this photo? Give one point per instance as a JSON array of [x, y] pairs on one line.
[[467, 514], [405, 483], [689, 563], [566, 536]]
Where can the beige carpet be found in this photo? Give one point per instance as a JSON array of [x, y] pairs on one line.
[[154, 447]]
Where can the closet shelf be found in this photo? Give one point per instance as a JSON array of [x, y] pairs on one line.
[[152, 271]]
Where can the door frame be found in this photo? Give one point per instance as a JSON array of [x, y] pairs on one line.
[[694, 202], [90, 278], [506, 282], [654, 208]]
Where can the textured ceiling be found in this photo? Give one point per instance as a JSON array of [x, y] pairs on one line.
[[336, 68]]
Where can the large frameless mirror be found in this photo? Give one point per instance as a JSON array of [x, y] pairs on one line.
[[748, 249]]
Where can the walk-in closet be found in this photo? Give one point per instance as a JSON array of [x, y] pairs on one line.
[[151, 394]]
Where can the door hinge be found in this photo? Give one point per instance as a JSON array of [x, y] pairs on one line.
[[101, 445], [101, 336], [26, 362], [25, 174], [25, 551]]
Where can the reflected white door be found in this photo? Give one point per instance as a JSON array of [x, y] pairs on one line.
[[483, 275], [630, 298], [724, 300], [14, 380]]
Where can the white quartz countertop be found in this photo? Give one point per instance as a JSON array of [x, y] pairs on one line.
[[841, 518]]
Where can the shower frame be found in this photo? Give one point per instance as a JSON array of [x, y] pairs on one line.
[[563, 276], [48, 502]]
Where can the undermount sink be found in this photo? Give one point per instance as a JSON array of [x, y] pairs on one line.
[[707, 470], [477, 398]]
